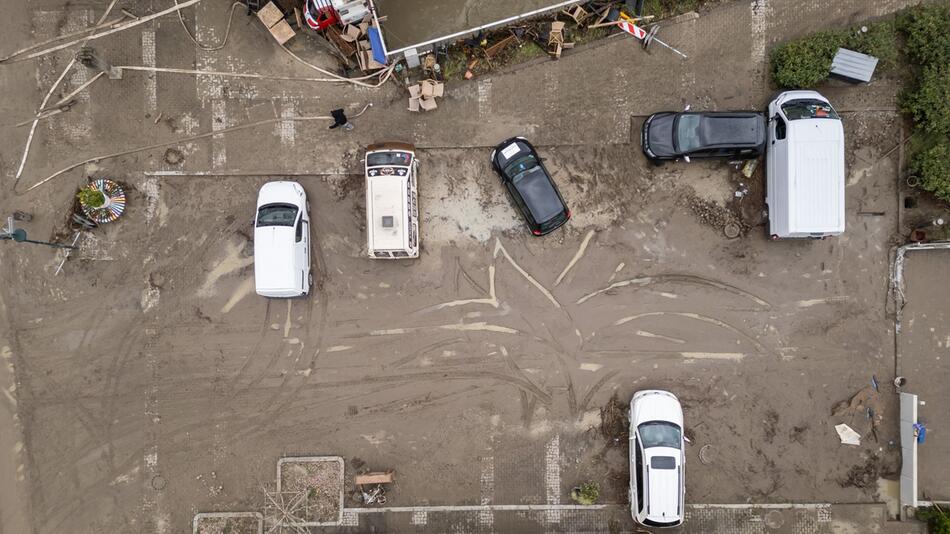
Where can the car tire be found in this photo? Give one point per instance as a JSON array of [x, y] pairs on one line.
[[656, 162]]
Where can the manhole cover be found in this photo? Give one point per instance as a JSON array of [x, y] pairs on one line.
[[774, 519], [158, 482], [173, 156]]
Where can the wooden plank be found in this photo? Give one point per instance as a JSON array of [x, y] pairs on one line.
[[374, 478]]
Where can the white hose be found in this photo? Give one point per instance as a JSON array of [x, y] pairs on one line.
[[227, 32], [184, 140]]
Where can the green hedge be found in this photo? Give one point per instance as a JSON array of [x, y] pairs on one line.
[[927, 29], [932, 166], [806, 62], [929, 102], [937, 519]]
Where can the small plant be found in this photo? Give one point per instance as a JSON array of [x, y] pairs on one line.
[[91, 197], [586, 493], [932, 166], [938, 520]]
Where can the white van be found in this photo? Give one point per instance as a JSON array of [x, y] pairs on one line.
[[805, 167], [282, 241], [392, 209]]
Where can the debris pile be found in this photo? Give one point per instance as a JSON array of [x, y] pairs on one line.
[[422, 95]]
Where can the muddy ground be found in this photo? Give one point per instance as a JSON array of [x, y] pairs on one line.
[[150, 356]]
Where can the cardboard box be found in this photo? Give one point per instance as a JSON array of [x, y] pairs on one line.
[[270, 15], [282, 31], [350, 33]]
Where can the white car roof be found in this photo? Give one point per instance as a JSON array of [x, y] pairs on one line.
[[816, 175], [387, 197], [665, 485]]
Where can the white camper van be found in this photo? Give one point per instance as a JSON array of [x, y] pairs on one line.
[[282, 241], [805, 167], [392, 210]]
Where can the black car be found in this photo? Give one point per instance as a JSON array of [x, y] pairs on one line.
[[530, 185], [711, 134]]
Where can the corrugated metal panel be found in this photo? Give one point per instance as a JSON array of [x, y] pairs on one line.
[[853, 66]]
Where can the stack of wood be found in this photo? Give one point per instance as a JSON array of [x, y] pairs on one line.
[[273, 19]]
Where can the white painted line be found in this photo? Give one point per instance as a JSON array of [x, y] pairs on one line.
[[219, 121], [287, 130], [81, 129], [419, 518], [489, 507], [487, 490], [484, 98], [760, 26], [552, 478], [151, 80]]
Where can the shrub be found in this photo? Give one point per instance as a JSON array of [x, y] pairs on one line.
[[879, 41], [806, 62], [932, 166], [937, 519], [929, 102], [587, 493], [92, 198], [926, 29]]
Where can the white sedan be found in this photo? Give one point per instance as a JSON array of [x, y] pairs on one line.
[[657, 459]]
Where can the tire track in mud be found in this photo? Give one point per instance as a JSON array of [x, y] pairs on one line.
[[645, 281], [428, 348], [593, 389], [265, 324], [269, 417], [698, 317], [529, 387], [528, 403]]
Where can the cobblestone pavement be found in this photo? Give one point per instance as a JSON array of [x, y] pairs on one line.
[[700, 519]]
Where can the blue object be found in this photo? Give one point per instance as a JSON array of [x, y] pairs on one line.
[[376, 46], [921, 431]]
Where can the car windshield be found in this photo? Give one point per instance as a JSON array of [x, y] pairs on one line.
[[687, 132], [388, 158], [808, 109], [276, 215], [519, 167], [660, 434]]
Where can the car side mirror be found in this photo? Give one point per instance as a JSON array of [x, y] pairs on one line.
[[686, 159]]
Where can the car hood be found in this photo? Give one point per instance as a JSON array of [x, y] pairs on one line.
[[660, 135], [654, 405], [746, 129], [282, 192]]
